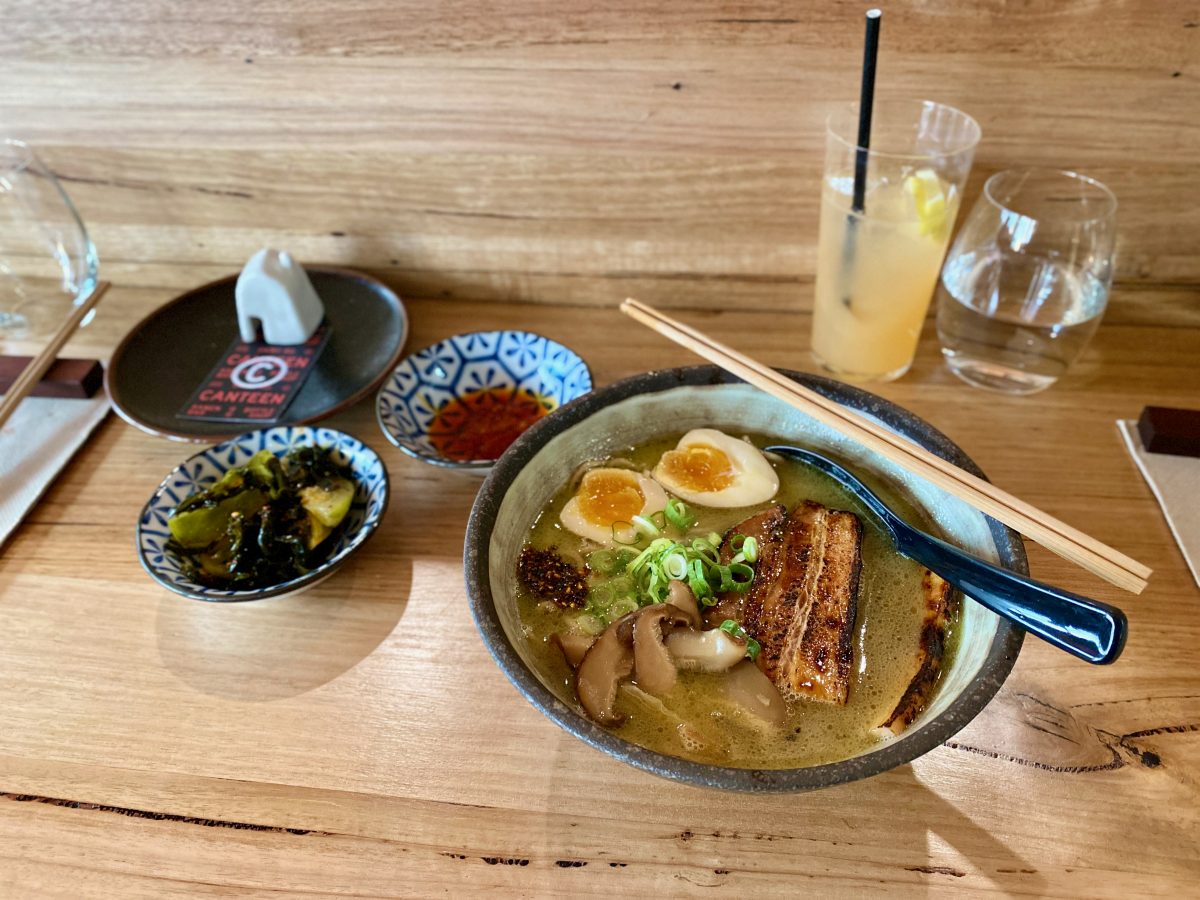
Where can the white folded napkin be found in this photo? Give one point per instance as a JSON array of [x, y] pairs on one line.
[[1175, 481], [40, 438]]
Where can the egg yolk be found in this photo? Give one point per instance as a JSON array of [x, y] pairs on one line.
[[698, 467], [606, 497]]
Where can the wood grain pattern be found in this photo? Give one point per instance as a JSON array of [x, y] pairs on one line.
[[333, 741], [536, 151], [528, 164]]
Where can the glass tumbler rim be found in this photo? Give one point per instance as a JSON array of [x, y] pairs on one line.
[[23, 158], [990, 188], [966, 145]]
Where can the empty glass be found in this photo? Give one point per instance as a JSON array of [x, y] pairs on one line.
[[1027, 280], [47, 261]]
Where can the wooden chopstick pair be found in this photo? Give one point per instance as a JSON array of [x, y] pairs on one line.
[[37, 366], [1051, 533]]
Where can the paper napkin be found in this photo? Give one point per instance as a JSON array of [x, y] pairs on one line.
[[40, 438], [1175, 481]]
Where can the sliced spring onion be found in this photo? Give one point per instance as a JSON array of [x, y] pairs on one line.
[[589, 623], [674, 564], [602, 595], [644, 558], [699, 583], [659, 519], [623, 586], [603, 561], [625, 534], [678, 514], [749, 549], [707, 550], [642, 575], [753, 648], [645, 527], [733, 629], [741, 575]]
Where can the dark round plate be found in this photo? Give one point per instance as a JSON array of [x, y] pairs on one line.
[[158, 365]]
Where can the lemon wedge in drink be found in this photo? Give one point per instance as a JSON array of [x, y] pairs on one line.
[[929, 198]]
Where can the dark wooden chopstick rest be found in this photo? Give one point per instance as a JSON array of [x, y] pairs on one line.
[[70, 378], [1173, 431]]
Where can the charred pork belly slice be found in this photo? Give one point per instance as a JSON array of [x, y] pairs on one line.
[[803, 612], [766, 527], [928, 660]]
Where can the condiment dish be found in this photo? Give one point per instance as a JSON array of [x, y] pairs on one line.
[[206, 467], [632, 411], [424, 405]]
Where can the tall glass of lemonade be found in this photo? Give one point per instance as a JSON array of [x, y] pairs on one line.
[[877, 265]]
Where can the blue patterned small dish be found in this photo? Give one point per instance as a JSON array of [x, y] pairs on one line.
[[203, 469], [427, 380]]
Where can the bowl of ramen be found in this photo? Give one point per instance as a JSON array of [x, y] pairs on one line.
[[460, 402], [663, 589]]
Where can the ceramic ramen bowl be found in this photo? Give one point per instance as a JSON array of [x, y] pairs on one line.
[[409, 402], [206, 467], [629, 412]]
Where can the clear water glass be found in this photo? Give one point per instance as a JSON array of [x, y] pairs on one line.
[[877, 266], [1027, 280], [47, 261]]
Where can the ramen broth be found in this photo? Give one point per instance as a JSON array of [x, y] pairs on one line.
[[886, 638]]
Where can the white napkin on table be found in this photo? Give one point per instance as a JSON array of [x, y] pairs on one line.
[[40, 438], [1175, 481]]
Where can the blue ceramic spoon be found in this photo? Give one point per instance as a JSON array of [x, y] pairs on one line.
[[1085, 628]]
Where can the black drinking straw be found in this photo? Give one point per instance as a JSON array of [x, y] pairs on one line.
[[866, 103]]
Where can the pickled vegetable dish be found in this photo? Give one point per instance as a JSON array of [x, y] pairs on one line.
[[263, 523]]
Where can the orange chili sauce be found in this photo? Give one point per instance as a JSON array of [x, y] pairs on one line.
[[481, 424]]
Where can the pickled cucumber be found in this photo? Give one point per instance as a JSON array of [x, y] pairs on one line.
[[264, 522]]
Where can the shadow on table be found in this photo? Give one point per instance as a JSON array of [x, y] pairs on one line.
[[285, 646], [990, 855], [892, 827]]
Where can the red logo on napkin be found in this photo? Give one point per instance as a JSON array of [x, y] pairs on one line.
[[255, 382]]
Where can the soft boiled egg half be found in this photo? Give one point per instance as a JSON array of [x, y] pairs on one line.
[[607, 496], [710, 468]]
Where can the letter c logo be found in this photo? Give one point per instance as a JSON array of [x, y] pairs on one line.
[[259, 372]]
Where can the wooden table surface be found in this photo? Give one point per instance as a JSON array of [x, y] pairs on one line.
[[523, 164], [358, 739]]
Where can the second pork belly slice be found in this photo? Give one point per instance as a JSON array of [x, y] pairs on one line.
[[803, 611], [927, 661]]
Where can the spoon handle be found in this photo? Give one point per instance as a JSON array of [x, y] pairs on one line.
[[1086, 628]]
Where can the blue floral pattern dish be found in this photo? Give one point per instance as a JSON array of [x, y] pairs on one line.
[[427, 380], [206, 467]]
